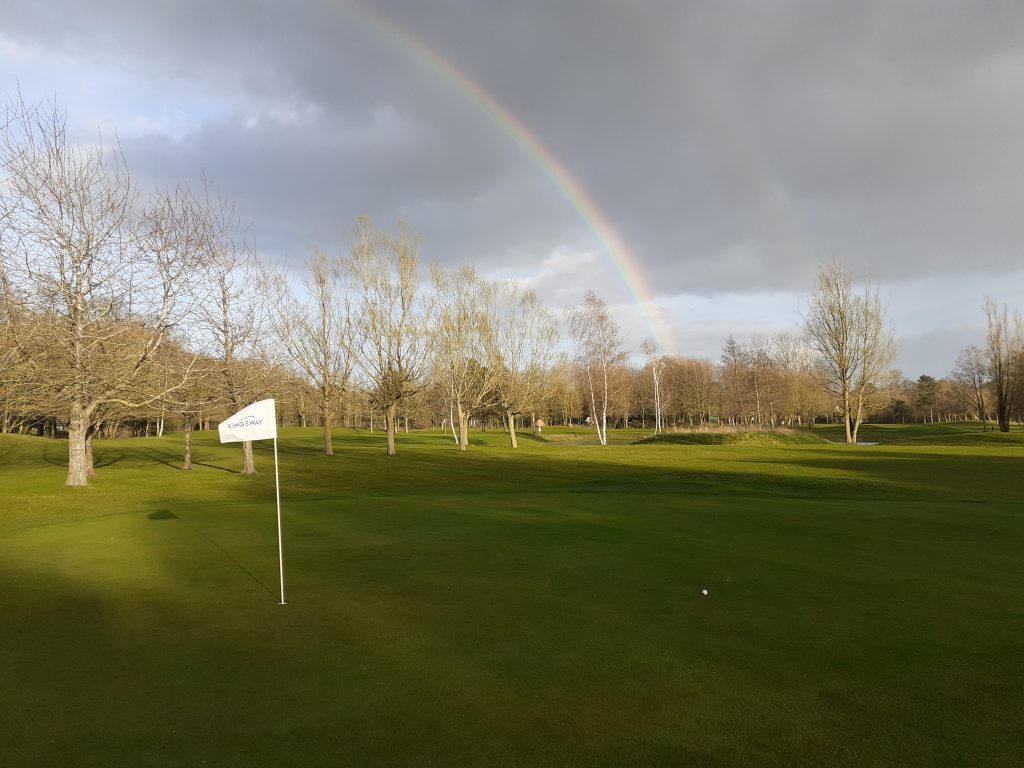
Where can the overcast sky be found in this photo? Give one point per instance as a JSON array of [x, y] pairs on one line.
[[732, 146]]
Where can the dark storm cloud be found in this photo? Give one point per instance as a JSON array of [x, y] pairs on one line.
[[326, 119], [732, 145], [737, 144]]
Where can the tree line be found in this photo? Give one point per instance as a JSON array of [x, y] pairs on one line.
[[125, 312]]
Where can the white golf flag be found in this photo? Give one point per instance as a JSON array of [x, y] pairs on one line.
[[254, 422]]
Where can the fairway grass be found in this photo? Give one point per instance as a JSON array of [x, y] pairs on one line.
[[538, 607]]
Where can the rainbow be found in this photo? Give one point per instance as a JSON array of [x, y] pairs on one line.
[[578, 197]]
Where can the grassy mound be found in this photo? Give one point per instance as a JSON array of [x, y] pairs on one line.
[[952, 433], [588, 436], [733, 438]]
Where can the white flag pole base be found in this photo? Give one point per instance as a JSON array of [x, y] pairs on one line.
[[280, 540]]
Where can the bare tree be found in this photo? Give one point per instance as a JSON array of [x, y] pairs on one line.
[[749, 381], [106, 281], [849, 334], [693, 379], [799, 391], [621, 393], [390, 341], [525, 343], [926, 393], [758, 356], [567, 392], [20, 391], [598, 351], [735, 382], [656, 362], [200, 394], [233, 310], [314, 329], [464, 343], [971, 371], [1005, 358]]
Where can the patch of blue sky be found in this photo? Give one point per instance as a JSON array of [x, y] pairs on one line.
[[95, 94]]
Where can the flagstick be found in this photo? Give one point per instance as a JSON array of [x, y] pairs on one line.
[[280, 541]]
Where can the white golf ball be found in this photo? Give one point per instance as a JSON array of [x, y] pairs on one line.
[[704, 592]]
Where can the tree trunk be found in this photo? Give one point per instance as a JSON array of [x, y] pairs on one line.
[[593, 404], [248, 467], [603, 429], [389, 425], [463, 429], [187, 464], [858, 416], [533, 424], [658, 426], [847, 416], [328, 446], [512, 429], [77, 473], [1003, 414], [90, 468], [757, 399]]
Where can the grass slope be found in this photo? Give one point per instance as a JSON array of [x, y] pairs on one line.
[[952, 433], [793, 437], [531, 608]]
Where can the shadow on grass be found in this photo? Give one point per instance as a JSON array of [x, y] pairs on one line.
[[432, 469], [158, 677], [175, 461], [430, 465], [105, 458], [164, 514], [800, 472], [425, 638]]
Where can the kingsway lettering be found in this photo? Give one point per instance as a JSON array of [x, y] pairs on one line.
[[249, 421]]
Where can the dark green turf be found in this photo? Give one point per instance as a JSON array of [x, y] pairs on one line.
[[532, 608]]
